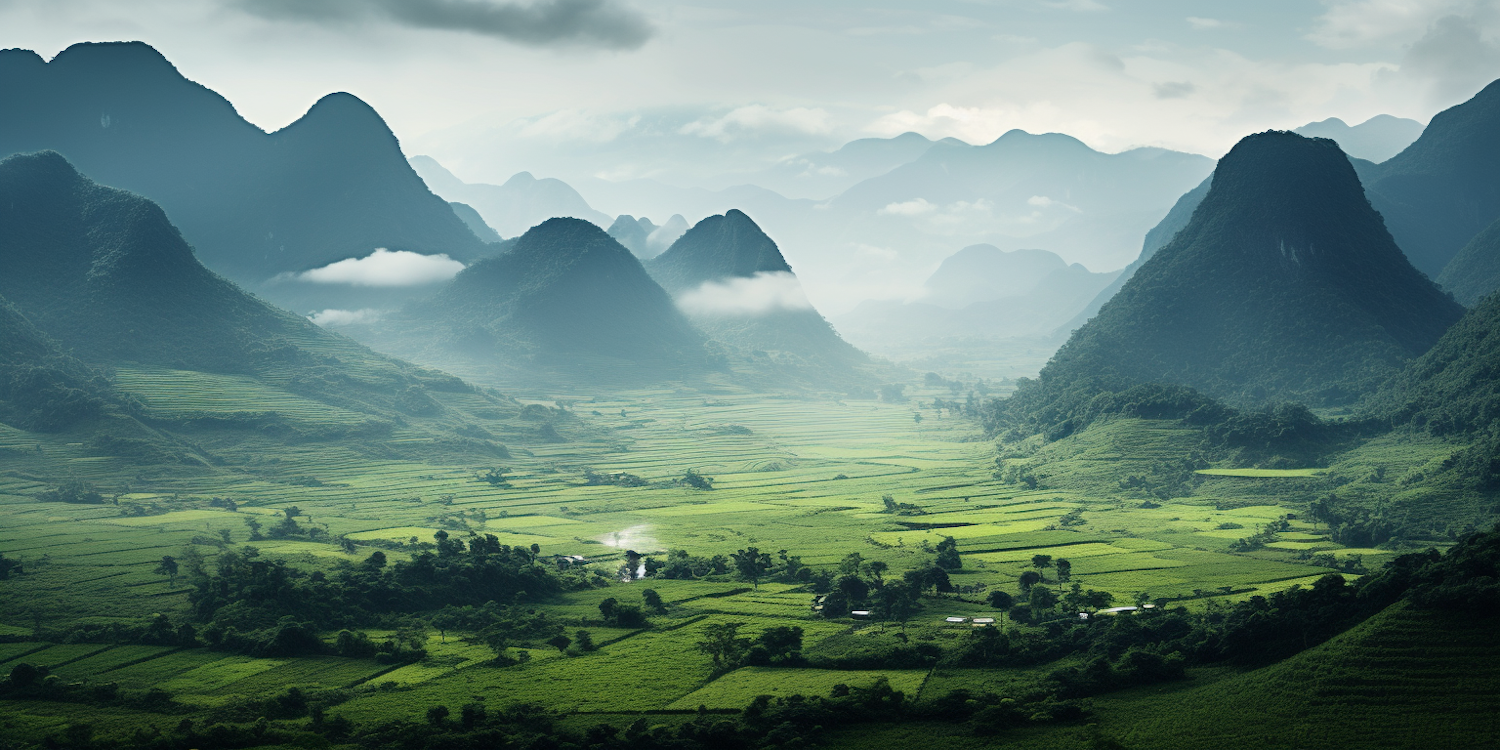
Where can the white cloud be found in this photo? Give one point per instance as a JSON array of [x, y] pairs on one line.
[[327, 318], [1206, 24], [908, 208], [1350, 24], [762, 293], [577, 125], [758, 119], [385, 268]]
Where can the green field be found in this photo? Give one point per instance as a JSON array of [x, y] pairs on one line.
[[805, 475]]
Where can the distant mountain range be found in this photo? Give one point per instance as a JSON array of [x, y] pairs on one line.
[[510, 209], [981, 299], [1283, 286], [824, 174], [1376, 139], [331, 186]]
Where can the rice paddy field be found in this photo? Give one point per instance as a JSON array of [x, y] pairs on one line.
[[799, 474]]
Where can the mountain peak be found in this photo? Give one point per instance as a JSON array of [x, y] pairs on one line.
[[729, 245], [117, 58]]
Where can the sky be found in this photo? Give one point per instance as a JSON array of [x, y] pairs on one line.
[[694, 92]]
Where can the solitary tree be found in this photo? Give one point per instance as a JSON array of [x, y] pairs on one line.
[[168, 567], [723, 644], [752, 564], [947, 554], [653, 600], [1028, 579], [1001, 601], [1064, 569], [1041, 562], [560, 642]]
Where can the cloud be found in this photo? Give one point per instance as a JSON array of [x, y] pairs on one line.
[[1173, 89], [908, 208], [1205, 24], [384, 268], [758, 119], [762, 293], [327, 318], [598, 23], [1350, 24], [1454, 57]]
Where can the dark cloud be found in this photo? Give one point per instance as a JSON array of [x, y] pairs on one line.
[[1455, 57], [598, 23]]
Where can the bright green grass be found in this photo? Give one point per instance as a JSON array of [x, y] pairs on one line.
[[738, 688], [1262, 473]]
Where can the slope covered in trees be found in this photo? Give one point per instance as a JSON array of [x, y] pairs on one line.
[[1474, 273], [1283, 286]]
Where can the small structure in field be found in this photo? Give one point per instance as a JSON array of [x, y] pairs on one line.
[[956, 620], [860, 613], [983, 622]]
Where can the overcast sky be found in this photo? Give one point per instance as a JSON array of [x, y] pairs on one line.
[[491, 86]]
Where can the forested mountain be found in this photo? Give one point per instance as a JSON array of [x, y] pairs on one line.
[[1283, 286], [103, 273], [41, 388], [330, 186], [566, 294], [1376, 139], [520, 204], [475, 222], [1445, 188], [1474, 273], [1156, 239], [733, 282]]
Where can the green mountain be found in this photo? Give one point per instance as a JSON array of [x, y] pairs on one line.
[[1474, 273], [105, 275], [715, 249], [42, 388], [1283, 286], [566, 295], [330, 186], [733, 282], [1442, 190]]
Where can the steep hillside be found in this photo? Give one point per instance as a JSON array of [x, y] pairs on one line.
[[330, 186], [1156, 239], [104, 274], [732, 280], [1283, 286], [566, 295], [41, 388], [1474, 273], [1445, 188]]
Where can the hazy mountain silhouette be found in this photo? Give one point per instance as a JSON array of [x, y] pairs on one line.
[[475, 222], [733, 282], [1444, 189], [978, 297], [1376, 139], [632, 233], [1284, 285], [520, 204], [824, 174], [984, 272], [565, 295], [330, 186], [1156, 239], [663, 236]]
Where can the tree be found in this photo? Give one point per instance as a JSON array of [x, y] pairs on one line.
[[697, 481], [8, 566], [1001, 601], [168, 567], [851, 563], [1064, 569], [752, 564], [723, 644], [1042, 598], [607, 608], [947, 554], [653, 600], [1028, 579], [896, 601], [1041, 562], [560, 642], [877, 569], [347, 545], [585, 640], [437, 715]]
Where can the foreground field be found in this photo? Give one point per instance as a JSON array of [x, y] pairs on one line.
[[805, 476]]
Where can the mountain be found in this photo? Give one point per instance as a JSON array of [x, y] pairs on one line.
[[1156, 239], [632, 233], [330, 186], [663, 236], [823, 174], [979, 273], [565, 298], [1283, 286], [1376, 139], [41, 388], [1444, 189], [520, 204], [1009, 296], [105, 275], [731, 280], [1474, 273], [475, 222]]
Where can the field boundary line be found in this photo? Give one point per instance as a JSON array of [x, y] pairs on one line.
[[88, 655], [145, 659], [24, 654]]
